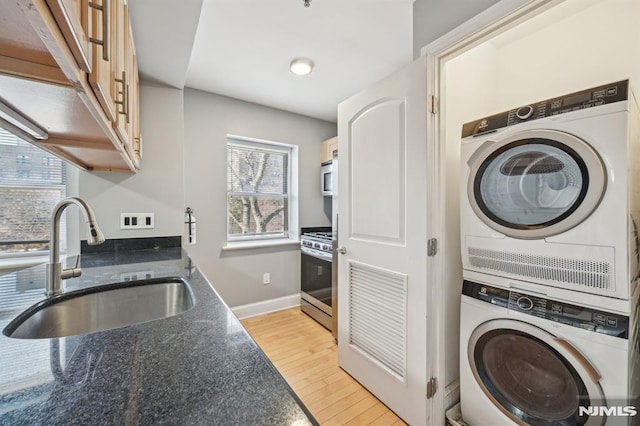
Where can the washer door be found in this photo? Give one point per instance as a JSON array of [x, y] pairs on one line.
[[535, 183], [532, 376]]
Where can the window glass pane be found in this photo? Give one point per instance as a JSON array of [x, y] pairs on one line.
[[257, 186], [32, 181], [253, 215], [256, 171]]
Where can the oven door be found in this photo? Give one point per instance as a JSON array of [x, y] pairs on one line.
[[315, 278]]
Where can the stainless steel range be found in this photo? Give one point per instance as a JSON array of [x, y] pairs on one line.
[[316, 274]]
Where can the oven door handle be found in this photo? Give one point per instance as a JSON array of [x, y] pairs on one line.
[[317, 256]]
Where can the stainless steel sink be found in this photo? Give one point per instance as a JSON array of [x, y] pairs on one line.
[[102, 308]]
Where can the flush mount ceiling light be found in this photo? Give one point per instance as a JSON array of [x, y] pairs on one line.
[[301, 66]]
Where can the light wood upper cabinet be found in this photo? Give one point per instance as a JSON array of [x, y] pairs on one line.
[[134, 104], [122, 72], [72, 17], [326, 149], [69, 67], [100, 77]]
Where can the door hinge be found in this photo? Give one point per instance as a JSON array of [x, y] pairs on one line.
[[434, 104], [432, 387], [432, 247]]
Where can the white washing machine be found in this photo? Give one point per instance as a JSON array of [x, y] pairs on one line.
[[550, 192], [529, 359]]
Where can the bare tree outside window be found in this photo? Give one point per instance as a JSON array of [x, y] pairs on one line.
[[32, 181], [257, 188]]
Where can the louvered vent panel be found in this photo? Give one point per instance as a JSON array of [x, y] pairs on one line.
[[589, 273], [378, 315]]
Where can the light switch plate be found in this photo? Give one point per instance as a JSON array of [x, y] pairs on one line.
[[137, 221]]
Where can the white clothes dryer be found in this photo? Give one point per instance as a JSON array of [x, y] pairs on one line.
[[551, 192], [529, 359]]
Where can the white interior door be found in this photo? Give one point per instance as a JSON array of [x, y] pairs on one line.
[[382, 333]]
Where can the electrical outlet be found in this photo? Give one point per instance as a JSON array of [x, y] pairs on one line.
[[135, 276], [266, 278], [137, 221]]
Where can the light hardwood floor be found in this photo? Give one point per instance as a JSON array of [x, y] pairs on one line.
[[305, 354]]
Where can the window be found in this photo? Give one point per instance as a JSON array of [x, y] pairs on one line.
[[260, 202], [32, 181]]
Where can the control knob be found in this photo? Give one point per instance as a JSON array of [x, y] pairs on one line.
[[524, 112], [524, 303]]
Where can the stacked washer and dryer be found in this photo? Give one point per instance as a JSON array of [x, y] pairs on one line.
[[550, 204]]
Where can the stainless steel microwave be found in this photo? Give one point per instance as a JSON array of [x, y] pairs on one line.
[[326, 179]]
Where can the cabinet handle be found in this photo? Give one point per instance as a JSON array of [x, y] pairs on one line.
[[124, 102], [126, 105], [104, 8]]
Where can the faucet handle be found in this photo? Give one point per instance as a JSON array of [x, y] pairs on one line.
[[74, 272], [70, 273]]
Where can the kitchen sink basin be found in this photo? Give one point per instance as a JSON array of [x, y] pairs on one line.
[[102, 308]]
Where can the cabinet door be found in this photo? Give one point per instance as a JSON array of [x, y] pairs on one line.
[[333, 146], [326, 149], [100, 78], [72, 17], [122, 73], [134, 102]]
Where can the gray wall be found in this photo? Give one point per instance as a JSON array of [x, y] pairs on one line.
[[237, 275], [158, 186], [434, 18], [184, 164]]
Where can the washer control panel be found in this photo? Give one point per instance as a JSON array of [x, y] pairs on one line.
[[552, 310], [601, 95]]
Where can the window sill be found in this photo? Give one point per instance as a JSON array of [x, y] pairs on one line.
[[22, 262], [259, 244]]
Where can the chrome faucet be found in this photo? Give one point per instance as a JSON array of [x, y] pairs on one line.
[[55, 273]]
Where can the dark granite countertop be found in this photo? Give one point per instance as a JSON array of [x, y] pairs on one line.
[[199, 367]]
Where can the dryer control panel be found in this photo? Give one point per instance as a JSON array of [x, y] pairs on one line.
[[552, 310], [601, 95]]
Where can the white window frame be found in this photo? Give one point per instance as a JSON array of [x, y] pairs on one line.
[[257, 241]]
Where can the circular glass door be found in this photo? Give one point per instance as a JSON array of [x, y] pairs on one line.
[[524, 373], [535, 184]]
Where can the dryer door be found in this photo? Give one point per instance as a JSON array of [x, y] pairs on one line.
[[535, 183], [532, 376]]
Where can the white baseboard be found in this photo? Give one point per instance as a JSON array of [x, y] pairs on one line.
[[266, 306]]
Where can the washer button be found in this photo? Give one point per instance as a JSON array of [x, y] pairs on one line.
[[524, 112], [525, 303]]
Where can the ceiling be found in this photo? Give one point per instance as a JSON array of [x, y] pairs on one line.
[[242, 48]]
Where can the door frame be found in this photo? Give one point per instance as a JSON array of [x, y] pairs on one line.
[[500, 17]]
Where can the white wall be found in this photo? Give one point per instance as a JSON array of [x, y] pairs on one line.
[[594, 42], [574, 46], [158, 186], [434, 18], [468, 77], [237, 275]]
